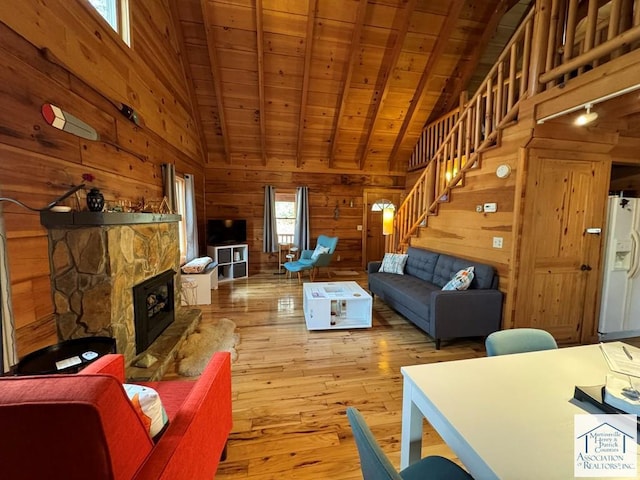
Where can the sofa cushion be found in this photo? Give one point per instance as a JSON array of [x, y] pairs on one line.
[[447, 266], [461, 280], [411, 292], [393, 263], [421, 264], [148, 406]]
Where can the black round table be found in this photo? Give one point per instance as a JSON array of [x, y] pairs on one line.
[[69, 356]]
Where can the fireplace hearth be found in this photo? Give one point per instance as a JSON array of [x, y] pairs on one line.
[[153, 307]]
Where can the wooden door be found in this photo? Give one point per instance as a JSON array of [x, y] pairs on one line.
[[375, 239], [559, 273], [373, 242]]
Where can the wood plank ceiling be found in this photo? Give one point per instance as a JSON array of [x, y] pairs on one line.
[[331, 84]]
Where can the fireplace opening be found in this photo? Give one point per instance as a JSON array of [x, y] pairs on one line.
[[153, 306]]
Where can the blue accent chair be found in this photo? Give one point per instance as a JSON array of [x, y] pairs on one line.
[[376, 466], [519, 340], [308, 261]]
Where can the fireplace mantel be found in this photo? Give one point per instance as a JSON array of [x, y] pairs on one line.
[[91, 219]]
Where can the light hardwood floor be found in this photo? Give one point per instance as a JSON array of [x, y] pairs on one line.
[[291, 386]]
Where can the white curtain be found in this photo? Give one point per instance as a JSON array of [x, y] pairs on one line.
[[301, 232], [269, 225], [7, 326], [169, 185], [191, 217]]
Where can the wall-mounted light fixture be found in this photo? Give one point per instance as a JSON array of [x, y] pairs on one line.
[[387, 221]]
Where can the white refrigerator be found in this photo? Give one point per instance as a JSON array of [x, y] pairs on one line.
[[620, 306]]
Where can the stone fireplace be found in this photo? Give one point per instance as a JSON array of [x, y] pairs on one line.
[[96, 260]]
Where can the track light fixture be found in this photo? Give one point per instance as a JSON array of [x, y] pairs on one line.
[[586, 117], [589, 115]]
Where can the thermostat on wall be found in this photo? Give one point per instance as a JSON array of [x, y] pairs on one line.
[[503, 171]]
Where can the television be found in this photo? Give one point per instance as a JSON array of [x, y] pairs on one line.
[[225, 231]]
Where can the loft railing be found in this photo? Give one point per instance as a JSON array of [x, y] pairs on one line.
[[557, 41], [579, 38]]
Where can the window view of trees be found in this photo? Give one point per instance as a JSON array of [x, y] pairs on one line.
[[285, 216]]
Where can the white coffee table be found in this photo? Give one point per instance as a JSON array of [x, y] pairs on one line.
[[335, 305]]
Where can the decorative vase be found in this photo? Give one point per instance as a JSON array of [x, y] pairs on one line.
[[95, 200]]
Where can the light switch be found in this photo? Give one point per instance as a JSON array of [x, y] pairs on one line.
[[359, 228]]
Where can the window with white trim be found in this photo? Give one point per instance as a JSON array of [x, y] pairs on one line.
[[116, 13], [285, 216]]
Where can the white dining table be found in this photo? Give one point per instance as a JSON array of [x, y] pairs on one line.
[[505, 417]]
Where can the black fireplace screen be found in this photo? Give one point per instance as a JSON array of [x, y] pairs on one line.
[[153, 306]]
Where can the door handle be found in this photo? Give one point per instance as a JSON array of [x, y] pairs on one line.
[[584, 267]]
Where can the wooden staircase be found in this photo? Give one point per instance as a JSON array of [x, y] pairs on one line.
[[557, 41], [453, 145]]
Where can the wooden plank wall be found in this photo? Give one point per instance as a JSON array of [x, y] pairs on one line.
[[86, 68], [461, 231], [234, 192]]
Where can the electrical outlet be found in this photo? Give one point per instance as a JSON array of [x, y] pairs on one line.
[[359, 228], [497, 242]]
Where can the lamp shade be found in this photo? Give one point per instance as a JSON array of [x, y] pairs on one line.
[[387, 221]]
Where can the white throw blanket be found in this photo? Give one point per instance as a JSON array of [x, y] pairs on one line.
[[197, 265]]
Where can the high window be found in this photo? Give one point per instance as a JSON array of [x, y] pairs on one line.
[[285, 216], [116, 13]]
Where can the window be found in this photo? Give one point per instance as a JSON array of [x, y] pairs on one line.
[[181, 197], [380, 205], [116, 13], [285, 216]]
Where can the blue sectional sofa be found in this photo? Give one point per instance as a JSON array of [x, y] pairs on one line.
[[443, 314]]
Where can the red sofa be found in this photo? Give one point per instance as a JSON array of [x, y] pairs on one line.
[[84, 426]]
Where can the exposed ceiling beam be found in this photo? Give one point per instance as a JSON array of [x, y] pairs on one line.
[[464, 71], [311, 20], [443, 38], [215, 73], [186, 72], [260, 53], [401, 25], [346, 81]]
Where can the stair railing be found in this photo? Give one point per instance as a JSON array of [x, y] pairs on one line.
[[494, 105]]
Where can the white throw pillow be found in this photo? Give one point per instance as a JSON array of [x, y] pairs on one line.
[[461, 280], [148, 405], [393, 263], [318, 251]]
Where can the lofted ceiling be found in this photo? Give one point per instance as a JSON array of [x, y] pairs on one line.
[[338, 84]]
